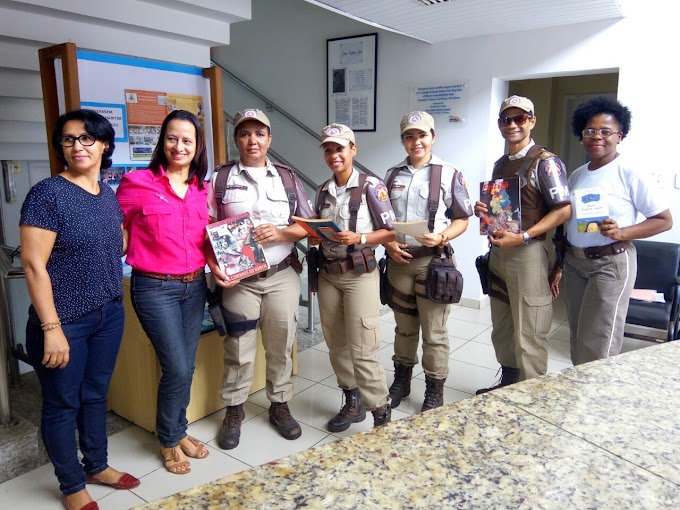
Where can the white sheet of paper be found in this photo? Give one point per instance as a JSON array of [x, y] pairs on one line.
[[411, 228]]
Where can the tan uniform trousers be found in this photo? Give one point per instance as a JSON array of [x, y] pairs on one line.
[[274, 301], [348, 304], [431, 319], [598, 293], [522, 313]]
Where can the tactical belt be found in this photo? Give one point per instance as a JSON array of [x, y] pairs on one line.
[[597, 252], [271, 271], [337, 266], [184, 278], [421, 251]]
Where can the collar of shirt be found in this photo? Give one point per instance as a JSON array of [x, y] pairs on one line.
[[271, 169], [405, 166], [523, 152], [163, 176], [352, 182]]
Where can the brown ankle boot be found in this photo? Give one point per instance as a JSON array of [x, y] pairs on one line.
[[230, 433], [280, 417], [352, 412], [401, 387], [382, 415], [434, 393]]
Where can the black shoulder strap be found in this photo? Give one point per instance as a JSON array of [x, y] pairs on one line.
[[321, 197], [390, 180], [355, 202], [221, 185], [433, 197], [288, 180]]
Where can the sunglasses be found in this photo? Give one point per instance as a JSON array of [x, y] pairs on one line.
[[520, 120]]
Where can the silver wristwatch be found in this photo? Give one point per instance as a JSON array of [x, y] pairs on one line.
[[526, 237]]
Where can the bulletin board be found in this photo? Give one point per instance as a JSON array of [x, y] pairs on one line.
[[135, 95]]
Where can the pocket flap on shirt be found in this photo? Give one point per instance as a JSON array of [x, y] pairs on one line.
[[156, 209]]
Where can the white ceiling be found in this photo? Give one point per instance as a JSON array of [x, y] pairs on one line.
[[445, 20]]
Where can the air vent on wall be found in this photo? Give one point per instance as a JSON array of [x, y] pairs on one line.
[[432, 2]]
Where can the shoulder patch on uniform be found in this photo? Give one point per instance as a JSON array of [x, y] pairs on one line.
[[461, 180], [380, 192], [552, 169]]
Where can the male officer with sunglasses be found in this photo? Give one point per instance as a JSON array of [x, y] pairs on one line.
[[521, 301]]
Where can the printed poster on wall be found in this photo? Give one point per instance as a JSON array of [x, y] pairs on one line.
[[146, 111]]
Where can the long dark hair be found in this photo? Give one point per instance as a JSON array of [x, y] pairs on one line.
[[199, 165], [95, 125]]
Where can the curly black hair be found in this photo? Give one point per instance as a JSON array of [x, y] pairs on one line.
[[597, 106]]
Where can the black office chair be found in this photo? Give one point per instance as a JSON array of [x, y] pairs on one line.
[[658, 269]]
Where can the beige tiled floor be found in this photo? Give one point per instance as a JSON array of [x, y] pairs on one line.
[[472, 366]]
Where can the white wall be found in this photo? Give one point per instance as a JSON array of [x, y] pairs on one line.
[[282, 53]]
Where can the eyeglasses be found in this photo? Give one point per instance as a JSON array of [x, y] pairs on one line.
[[604, 133], [520, 120], [85, 140]]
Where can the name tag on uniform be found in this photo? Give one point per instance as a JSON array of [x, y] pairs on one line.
[[236, 186]]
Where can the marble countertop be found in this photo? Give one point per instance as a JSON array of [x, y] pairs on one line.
[[602, 435]]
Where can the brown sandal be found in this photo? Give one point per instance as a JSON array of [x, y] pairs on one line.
[[192, 447], [175, 461]]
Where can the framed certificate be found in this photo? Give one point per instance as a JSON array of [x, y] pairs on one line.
[[351, 64]]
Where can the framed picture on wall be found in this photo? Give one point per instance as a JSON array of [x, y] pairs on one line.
[[351, 71]]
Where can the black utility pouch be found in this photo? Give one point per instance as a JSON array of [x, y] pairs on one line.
[[444, 283]]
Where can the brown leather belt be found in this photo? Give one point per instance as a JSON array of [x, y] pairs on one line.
[[269, 272], [337, 266], [597, 252], [185, 278], [421, 251]]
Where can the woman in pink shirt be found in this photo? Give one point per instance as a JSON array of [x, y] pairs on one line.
[[165, 209]]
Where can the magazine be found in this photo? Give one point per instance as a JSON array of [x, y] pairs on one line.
[[319, 228], [237, 254], [503, 206], [590, 208]]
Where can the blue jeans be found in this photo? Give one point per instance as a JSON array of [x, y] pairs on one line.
[[171, 313], [75, 396]]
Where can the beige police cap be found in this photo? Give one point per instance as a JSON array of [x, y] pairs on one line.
[[338, 133], [417, 120], [520, 102], [251, 114]]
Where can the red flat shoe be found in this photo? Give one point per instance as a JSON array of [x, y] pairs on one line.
[[125, 482], [92, 505]]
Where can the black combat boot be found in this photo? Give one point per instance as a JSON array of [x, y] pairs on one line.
[[280, 417], [352, 412], [508, 376], [434, 393], [230, 433], [382, 415], [401, 387]]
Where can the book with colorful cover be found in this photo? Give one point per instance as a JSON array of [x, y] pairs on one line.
[[237, 254], [319, 228], [502, 199], [590, 209]]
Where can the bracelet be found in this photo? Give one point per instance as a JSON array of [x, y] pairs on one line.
[[47, 326], [445, 239]]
